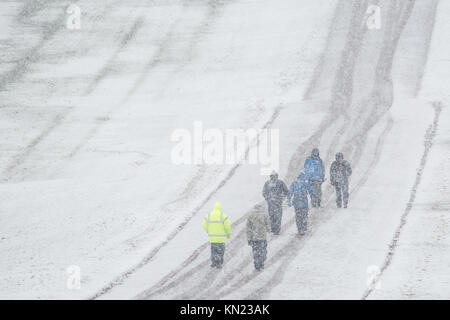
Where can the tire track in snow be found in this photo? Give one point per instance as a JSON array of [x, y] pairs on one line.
[[120, 279], [295, 246], [161, 286], [31, 7], [295, 163], [32, 55], [428, 143], [13, 168], [213, 11], [380, 104], [20, 70], [230, 246], [383, 80], [284, 86], [384, 70], [128, 36], [286, 253]]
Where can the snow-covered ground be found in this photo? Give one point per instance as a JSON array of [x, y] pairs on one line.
[[419, 268], [87, 118]]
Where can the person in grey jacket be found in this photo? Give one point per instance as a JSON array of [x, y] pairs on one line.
[[258, 226], [340, 171], [274, 191]]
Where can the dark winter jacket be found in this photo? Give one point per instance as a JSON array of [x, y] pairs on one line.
[[258, 225], [299, 190], [275, 190], [314, 170], [340, 171]]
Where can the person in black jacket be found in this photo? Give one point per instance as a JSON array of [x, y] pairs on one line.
[[340, 172], [274, 192]]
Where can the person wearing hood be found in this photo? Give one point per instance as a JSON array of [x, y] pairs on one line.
[[340, 171], [274, 191], [298, 196], [315, 174], [218, 227], [258, 225]]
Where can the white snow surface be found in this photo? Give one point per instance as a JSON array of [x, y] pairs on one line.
[[86, 171]]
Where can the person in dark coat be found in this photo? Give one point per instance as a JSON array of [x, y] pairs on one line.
[[340, 171], [274, 192], [298, 193], [258, 225], [315, 174]]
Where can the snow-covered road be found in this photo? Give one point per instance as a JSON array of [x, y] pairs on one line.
[[87, 118], [333, 259]]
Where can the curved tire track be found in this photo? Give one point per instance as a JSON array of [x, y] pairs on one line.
[[120, 279], [378, 104], [429, 136]]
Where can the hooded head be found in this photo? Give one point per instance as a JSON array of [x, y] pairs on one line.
[[217, 206], [301, 176], [315, 153], [339, 156], [273, 176]]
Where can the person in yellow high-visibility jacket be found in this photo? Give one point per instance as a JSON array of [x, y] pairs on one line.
[[218, 227]]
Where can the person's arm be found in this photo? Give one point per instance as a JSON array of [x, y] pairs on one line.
[[306, 168], [249, 230], [265, 191], [332, 174], [285, 189], [227, 226], [309, 189], [290, 192], [267, 222], [323, 170], [349, 170]]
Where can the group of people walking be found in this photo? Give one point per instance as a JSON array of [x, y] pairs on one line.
[[259, 223]]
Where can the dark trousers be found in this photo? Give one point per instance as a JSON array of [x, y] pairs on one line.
[[301, 218], [259, 248], [316, 197], [341, 193], [217, 252], [275, 215]]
